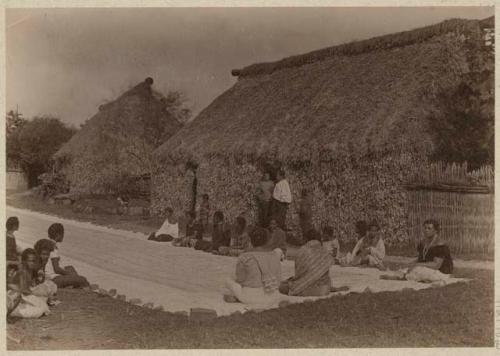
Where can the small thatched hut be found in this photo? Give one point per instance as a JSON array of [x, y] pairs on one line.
[[115, 146], [350, 122]]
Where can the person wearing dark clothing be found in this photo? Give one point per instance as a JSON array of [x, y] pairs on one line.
[[221, 235], [11, 249], [264, 198]]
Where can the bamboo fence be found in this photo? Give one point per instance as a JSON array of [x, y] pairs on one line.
[[464, 207]]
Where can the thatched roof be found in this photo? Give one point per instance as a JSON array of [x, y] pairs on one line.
[[128, 112], [360, 96]]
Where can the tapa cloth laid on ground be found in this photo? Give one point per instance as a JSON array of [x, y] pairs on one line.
[[174, 277]]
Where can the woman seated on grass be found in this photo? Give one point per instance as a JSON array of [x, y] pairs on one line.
[[169, 230], [258, 274], [62, 276], [434, 262], [312, 267], [30, 305], [239, 239], [369, 250]]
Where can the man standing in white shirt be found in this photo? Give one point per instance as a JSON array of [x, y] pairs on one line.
[[282, 197]]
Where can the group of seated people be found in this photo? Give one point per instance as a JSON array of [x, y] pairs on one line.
[[34, 274], [258, 270], [226, 240]]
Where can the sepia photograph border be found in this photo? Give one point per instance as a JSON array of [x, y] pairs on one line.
[[242, 3]]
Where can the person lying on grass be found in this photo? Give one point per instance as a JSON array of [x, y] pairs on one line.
[[62, 276], [369, 250], [169, 230], [44, 287], [30, 305], [258, 274], [312, 267], [434, 262], [239, 239]]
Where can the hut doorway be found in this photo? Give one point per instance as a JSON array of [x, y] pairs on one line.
[[191, 185]]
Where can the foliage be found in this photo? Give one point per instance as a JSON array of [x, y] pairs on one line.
[[33, 143], [13, 121], [464, 127]]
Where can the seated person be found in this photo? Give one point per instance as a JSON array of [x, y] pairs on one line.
[[312, 267], [13, 295], [330, 242], [221, 234], [44, 287], [169, 230], [434, 262], [191, 231], [277, 241], [30, 305], [370, 250], [12, 249], [239, 239], [62, 277], [258, 274]]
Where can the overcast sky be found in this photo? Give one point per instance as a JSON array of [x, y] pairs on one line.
[[66, 62]]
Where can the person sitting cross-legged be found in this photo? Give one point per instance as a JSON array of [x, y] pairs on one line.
[[258, 274], [370, 250], [277, 241], [29, 305], [44, 286], [221, 234], [312, 267], [239, 239], [191, 233], [434, 262]]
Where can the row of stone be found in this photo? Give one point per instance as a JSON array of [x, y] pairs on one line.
[[196, 314]]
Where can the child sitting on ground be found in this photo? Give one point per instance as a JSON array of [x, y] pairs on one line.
[[331, 243], [30, 306], [44, 287]]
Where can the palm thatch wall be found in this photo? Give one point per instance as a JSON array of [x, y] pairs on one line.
[[350, 121], [117, 143]]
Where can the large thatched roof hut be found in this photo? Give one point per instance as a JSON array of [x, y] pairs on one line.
[[350, 122], [116, 144]]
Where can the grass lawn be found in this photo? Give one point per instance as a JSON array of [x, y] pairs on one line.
[[456, 315]]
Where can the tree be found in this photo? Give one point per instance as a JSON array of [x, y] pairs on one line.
[[33, 143], [464, 127]]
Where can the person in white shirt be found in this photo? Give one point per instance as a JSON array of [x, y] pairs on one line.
[[169, 230], [282, 197]]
